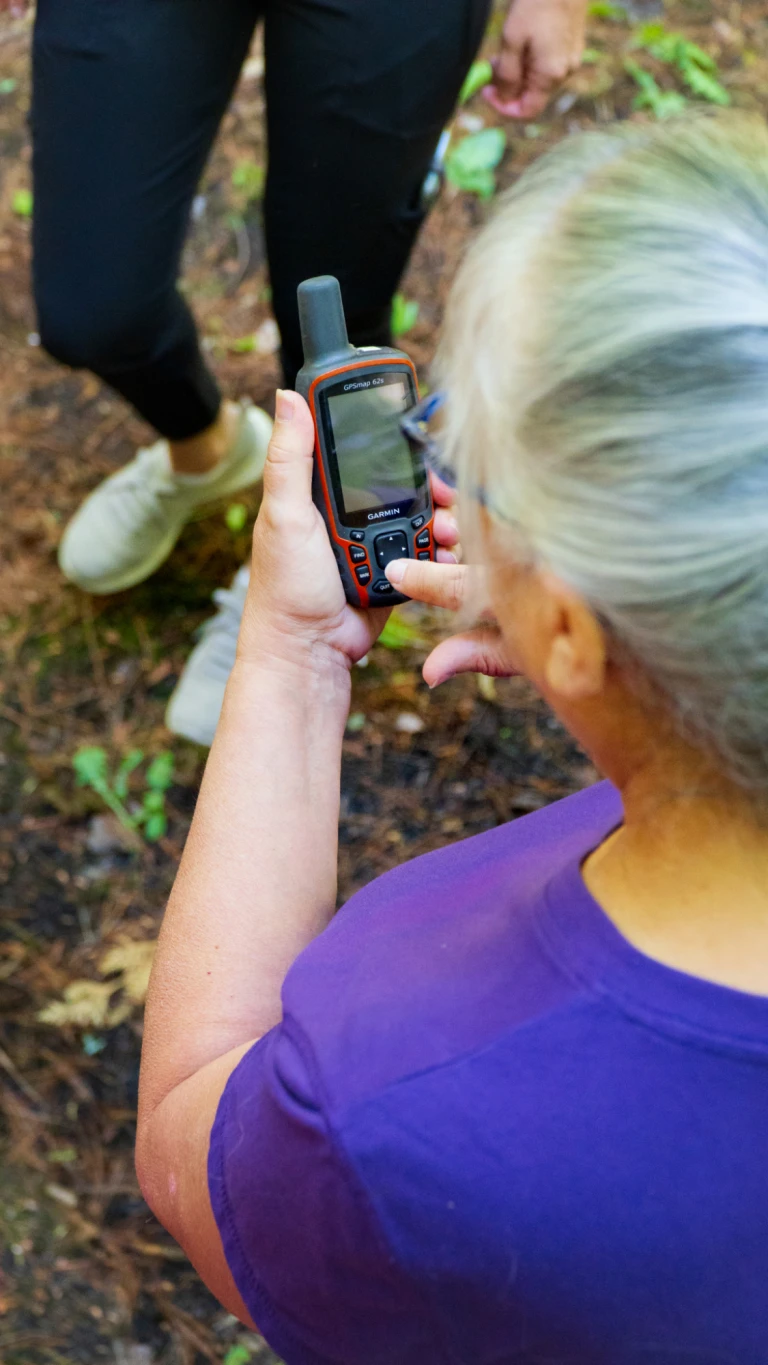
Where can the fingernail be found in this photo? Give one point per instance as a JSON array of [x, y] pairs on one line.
[[507, 108], [396, 571], [284, 405]]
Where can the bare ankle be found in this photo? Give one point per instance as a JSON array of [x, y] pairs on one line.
[[199, 454]]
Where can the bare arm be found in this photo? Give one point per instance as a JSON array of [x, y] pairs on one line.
[[258, 878], [257, 883]]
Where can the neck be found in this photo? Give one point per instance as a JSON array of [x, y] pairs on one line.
[[686, 877]]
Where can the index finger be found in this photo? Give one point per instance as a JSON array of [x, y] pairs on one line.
[[438, 585], [442, 493]]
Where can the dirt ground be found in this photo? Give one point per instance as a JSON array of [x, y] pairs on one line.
[[86, 1274]]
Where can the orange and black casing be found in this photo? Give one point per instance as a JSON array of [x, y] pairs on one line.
[[363, 541]]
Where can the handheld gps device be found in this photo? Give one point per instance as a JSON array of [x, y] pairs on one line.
[[370, 486]]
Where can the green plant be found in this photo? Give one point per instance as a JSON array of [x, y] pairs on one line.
[[237, 1355], [607, 9], [661, 103], [242, 345], [63, 1156], [404, 314], [158, 777], [471, 164], [479, 75], [398, 633], [22, 203], [248, 178], [91, 769], [695, 66], [236, 516]]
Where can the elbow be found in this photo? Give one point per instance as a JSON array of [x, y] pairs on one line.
[[152, 1178], [157, 1175]]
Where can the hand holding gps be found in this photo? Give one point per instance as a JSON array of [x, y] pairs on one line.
[[370, 486]]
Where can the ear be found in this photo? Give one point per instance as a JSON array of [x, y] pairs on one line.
[[575, 653]]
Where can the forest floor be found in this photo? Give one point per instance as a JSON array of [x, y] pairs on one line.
[[86, 1274]]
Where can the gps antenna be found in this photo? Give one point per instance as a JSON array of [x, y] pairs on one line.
[[321, 314]]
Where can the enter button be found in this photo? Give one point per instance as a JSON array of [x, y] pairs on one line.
[[391, 546]]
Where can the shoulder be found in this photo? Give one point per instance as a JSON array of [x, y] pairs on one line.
[[424, 963], [509, 863], [551, 833]]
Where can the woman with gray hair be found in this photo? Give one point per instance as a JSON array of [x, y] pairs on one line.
[[510, 1105]]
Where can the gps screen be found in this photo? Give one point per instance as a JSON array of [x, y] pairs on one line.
[[376, 469]]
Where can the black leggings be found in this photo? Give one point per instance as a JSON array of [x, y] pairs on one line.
[[128, 95]]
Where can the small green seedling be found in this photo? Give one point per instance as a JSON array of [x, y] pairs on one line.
[[404, 314], [92, 770], [236, 516], [90, 765], [479, 75], [398, 633], [158, 777], [471, 164], [242, 345], [237, 1355], [607, 9], [248, 178], [63, 1156], [661, 103], [22, 203], [695, 66]]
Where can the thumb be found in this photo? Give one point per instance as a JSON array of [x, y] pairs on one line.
[[475, 651], [290, 457], [508, 72]]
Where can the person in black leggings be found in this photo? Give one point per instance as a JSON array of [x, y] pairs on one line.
[[127, 99]]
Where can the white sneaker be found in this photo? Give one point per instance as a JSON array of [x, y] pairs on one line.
[[195, 706], [131, 522]]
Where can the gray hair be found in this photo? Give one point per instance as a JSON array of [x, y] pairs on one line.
[[606, 356]]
